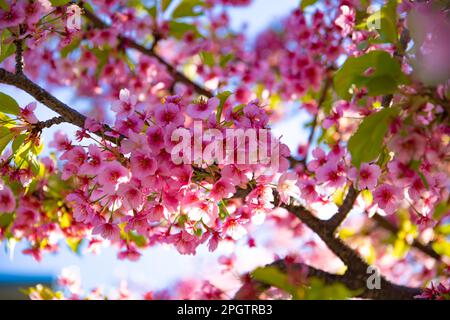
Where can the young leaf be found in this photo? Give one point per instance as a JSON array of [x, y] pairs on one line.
[[178, 29], [187, 8], [165, 4], [385, 22], [307, 3], [377, 71], [223, 96], [207, 58], [367, 142], [8, 105]]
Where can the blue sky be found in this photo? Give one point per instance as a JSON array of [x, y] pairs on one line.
[[159, 266]]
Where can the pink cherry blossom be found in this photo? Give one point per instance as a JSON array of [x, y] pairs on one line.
[[107, 231], [366, 176], [124, 107], [287, 186], [330, 175], [169, 113], [346, 20], [28, 113], [387, 197], [13, 17], [222, 189], [112, 175], [7, 200], [142, 165], [202, 109]]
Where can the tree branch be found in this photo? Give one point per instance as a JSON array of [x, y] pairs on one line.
[[253, 289], [427, 249], [356, 275], [67, 113], [48, 123], [19, 55], [335, 221], [177, 75]]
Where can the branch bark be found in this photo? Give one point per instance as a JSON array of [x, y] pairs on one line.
[[427, 249], [356, 274], [335, 221], [43, 96]]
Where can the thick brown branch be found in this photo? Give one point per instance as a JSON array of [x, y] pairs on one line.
[[386, 224], [48, 123], [19, 55], [22, 82], [355, 282], [335, 221], [356, 274], [177, 75], [40, 94]]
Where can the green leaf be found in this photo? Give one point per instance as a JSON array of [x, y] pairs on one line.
[[187, 8], [385, 22], [70, 47], [4, 5], [6, 219], [5, 137], [6, 49], [18, 142], [207, 58], [442, 247], [367, 142], [307, 3], [223, 96], [8, 105], [178, 29], [152, 11], [319, 290], [377, 71], [273, 276], [58, 3], [225, 59], [165, 4], [74, 244]]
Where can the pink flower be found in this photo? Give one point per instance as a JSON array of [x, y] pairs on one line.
[[13, 17], [233, 174], [346, 20], [222, 189], [320, 159], [124, 107], [367, 177], [155, 139], [60, 141], [234, 229], [108, 231], [95, 160], [287, 186], [169, 113], [387, 197], [331, 175], [33, 12], [142, 165], [27, 113], [7, 200], [112, 175], [135, 141], [203, 108], [308, 190], [130, 254], [132, 197]]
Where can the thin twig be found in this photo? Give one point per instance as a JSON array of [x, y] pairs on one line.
[[19, 55]]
